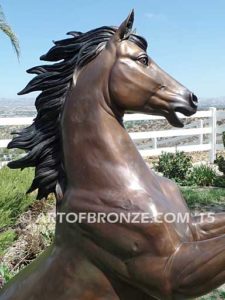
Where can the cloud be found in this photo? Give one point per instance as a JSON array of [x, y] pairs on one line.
[[155, 16]]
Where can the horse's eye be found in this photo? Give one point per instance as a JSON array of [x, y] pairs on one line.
[[143, 60]]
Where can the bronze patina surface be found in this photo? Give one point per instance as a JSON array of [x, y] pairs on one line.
[[84, 155]]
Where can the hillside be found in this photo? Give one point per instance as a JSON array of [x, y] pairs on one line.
[[25, 106]]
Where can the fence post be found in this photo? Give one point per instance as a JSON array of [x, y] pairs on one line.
[[155, 143], [213, 134], [201, 134]]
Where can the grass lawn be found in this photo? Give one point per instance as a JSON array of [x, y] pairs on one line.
[[204, 198], [13, 201]]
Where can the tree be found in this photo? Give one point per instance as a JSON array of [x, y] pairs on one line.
[[4, 27]]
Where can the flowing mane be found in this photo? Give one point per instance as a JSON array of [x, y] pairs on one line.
[[41, 140]]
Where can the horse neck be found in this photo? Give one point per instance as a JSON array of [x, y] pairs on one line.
[[98, 151]]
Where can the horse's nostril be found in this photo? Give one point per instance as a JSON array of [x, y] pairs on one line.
[[194, 99]]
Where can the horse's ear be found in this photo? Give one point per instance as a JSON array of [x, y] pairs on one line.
[[125, 28]]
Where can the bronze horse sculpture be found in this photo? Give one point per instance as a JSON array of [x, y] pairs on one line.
[[83, 154]]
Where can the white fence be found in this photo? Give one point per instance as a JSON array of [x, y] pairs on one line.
[[212, 130]]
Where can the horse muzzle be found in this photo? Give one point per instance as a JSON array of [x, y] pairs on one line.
[[186, 104]]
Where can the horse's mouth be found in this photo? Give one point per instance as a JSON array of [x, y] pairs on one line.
[[173, 118], [168, 105]]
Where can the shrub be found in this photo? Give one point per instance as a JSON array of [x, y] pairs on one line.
[[174, 165], [202, 175], [220, 161], [219, 181]]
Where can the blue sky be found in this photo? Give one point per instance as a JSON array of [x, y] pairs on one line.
[[186, 38]]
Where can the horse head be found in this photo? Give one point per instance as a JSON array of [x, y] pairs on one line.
[[138, 84]]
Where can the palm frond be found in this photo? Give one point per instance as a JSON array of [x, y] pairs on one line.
[[4, 27], [2, 15]]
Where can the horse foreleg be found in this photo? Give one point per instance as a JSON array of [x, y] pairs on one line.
[[196, 268], [209, 225]]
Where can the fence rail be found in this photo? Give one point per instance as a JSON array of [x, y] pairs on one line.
[[212, 130]]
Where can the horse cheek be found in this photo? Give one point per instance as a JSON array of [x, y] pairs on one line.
[[124, 87]]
